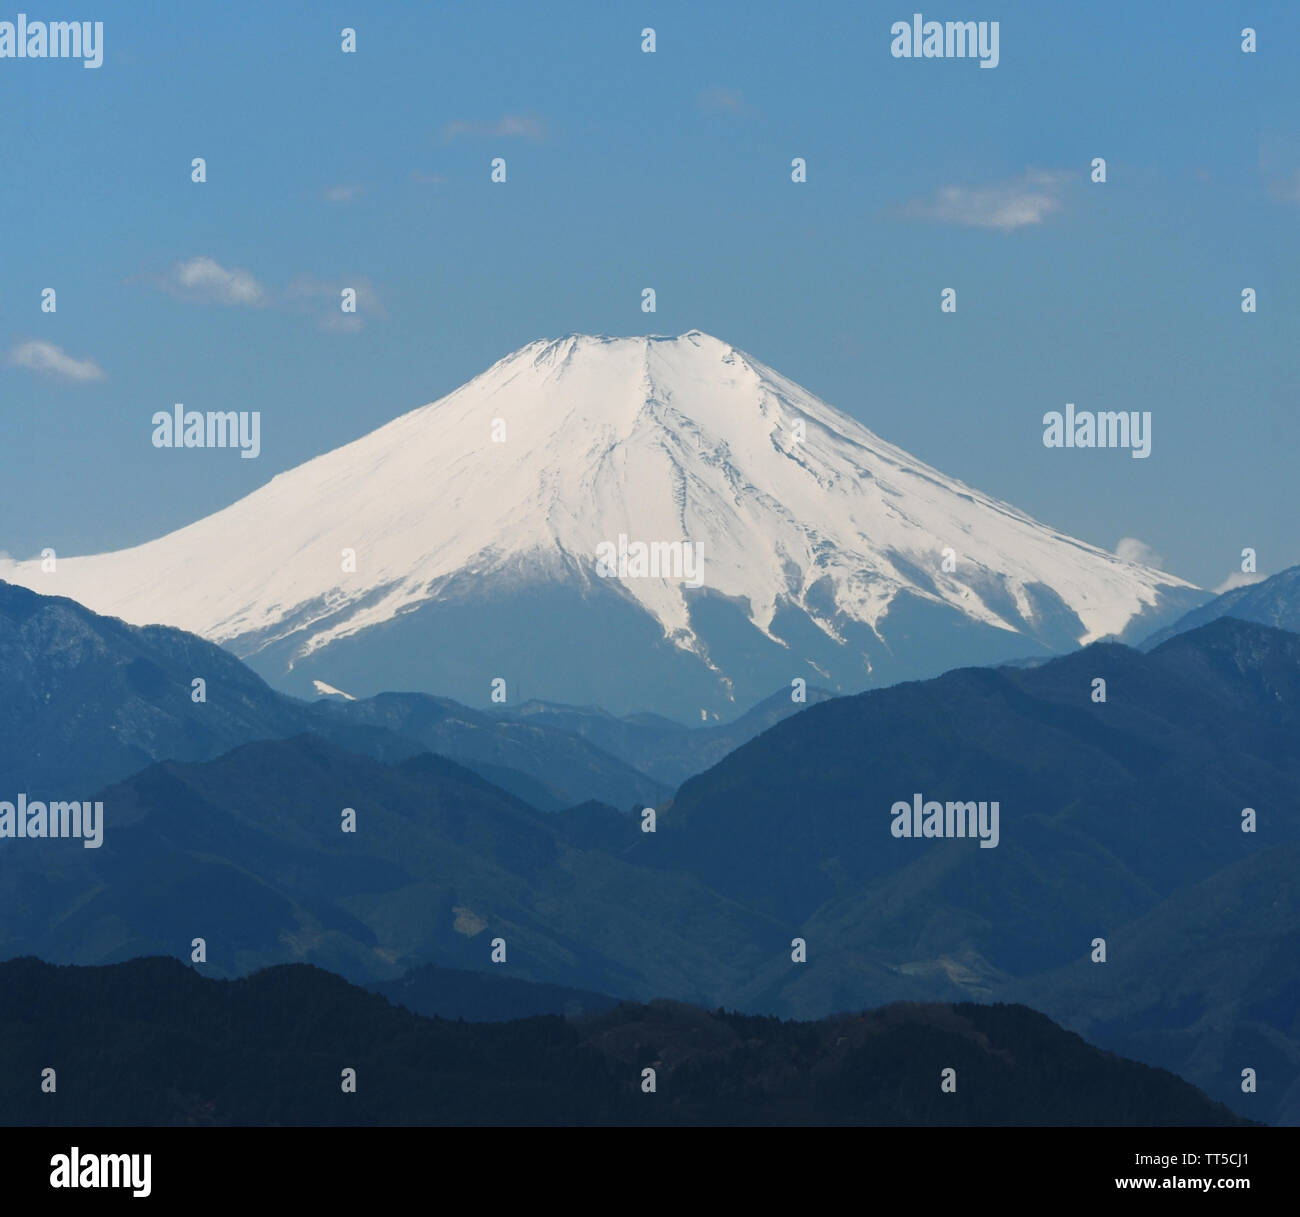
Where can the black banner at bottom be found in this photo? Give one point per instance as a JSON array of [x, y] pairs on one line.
[[168, 1166]]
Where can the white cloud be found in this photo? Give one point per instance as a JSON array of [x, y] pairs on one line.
[[1023, 201], [205, 279], [523, 126], [1237, 579], [47, 358], [1130, 549]]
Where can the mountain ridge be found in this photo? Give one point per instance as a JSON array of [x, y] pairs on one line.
[[1273, 601], [90, 699]]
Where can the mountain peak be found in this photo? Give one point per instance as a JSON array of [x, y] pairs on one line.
[[818, 538], [630, 345]]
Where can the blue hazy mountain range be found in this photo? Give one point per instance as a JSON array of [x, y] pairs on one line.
[[90, 699], [1119, 820]]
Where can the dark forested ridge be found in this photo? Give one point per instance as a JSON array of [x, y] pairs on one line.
[[153, 1042], [483, 997]]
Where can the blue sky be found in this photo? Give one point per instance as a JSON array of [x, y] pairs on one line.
[[668, 170]]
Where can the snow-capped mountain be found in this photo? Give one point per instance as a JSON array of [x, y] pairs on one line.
[[489, 530]]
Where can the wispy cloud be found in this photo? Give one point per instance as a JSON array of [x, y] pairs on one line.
[[1279, 166], [1237, 579], [1286, 189], [50, 360], [723, 101], [521, 126], [204, 279], [323, 298], [343, 194], [1026, 200], [1130, 549]]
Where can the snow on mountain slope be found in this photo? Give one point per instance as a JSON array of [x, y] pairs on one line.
[[658, 439]]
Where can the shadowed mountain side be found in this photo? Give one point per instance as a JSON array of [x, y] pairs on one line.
[[666, 750], [86, 700], [152, 1042], [566, 768], [1104, 807], [1114, 817], [1205, 985], [248, 852], [1273, 601]]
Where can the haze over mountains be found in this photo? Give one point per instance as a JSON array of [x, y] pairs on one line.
[[1119, 819], [89, 700], [667, 751], [476, 522]]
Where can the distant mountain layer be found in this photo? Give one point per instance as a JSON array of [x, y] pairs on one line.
[[649, 523], [152, 1042], [561, 765], [1273, 601], [86, 700], [249, 852], [668, 751]]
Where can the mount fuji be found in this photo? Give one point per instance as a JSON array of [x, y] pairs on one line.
[[476, 522]]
